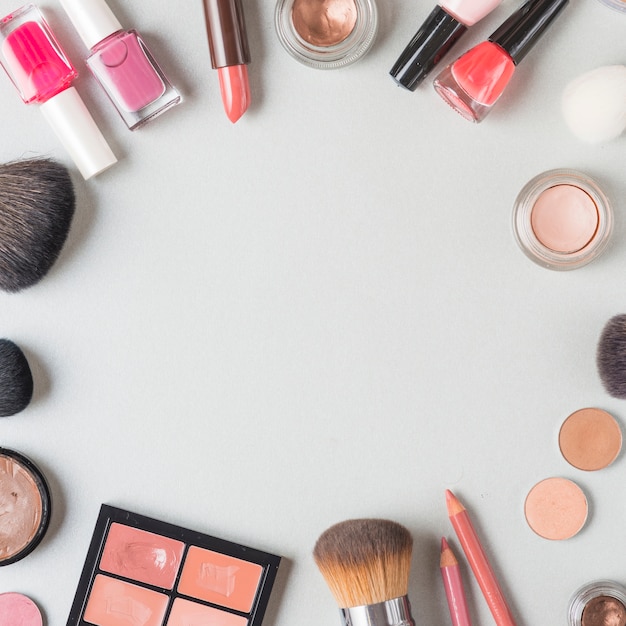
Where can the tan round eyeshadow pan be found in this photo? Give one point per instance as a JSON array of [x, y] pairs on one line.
[[590, 439]]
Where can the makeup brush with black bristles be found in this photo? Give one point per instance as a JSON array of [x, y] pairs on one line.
[[36, 208], [366, 564], [611, 356], [16, 379]]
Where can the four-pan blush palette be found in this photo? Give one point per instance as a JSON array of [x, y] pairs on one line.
[[143, 572]]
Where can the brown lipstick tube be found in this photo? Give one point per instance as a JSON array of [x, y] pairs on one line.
[[226, 29]]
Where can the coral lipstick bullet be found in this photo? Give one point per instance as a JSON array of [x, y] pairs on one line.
[[230, 54]]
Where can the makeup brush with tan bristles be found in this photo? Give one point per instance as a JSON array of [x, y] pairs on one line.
[[366, 564]]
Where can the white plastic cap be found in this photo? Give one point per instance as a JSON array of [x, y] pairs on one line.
[[93, 19], [74, 126]]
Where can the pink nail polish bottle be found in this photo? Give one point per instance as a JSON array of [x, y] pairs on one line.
[[122, 63], [42, 73]]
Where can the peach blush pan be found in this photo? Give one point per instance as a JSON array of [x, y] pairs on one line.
[[150, 573], [562, 219], [590, 439], [556, 508]]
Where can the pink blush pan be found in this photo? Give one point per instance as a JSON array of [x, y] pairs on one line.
[[18, 610]]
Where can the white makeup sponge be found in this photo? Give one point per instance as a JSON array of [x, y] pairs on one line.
[[594, 104]]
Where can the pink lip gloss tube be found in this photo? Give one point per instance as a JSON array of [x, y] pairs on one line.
[[121, 63], [42, 73]]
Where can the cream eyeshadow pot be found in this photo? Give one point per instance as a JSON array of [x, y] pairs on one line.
[[144, 572], [599, 603], [25, 506], [326, 34], [562, 219]]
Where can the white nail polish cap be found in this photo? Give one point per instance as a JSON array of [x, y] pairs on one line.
[[93, 19], [77, 131]]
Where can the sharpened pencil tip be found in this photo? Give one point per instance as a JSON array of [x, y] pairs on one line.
[[453, 504]]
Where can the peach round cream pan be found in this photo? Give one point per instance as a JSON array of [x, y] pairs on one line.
[[144, 572], [556, 508], [25, 506], [562, 219], [590, 439]]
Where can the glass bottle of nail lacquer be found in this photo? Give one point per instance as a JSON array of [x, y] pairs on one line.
[[122, 63], [326, 34]]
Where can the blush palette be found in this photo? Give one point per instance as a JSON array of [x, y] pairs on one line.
[[143, 572]]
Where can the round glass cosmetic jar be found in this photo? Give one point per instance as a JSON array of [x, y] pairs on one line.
[[326, 34], [598, 603], [562, 219], [25, 506]]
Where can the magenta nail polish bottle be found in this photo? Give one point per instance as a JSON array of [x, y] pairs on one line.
[[43, 75]]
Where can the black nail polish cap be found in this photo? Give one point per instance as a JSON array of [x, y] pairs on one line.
[[522, 29], [430, 43]]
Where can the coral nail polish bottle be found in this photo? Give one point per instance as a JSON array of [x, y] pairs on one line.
[[42, 73], [474, 82], [122, 63]]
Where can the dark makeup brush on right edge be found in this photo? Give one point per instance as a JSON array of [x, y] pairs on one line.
[[16, 379], [366, 564], [611, 356], [37, 204]]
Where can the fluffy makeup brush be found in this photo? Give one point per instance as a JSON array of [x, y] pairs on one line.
[[611, 356], [366, 564], [36, 208], [16, 380]]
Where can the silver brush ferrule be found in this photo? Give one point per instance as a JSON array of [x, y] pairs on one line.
[[396, 612]]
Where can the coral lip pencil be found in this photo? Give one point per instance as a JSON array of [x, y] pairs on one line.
[[478, 561], [230, 54], [453, 585]]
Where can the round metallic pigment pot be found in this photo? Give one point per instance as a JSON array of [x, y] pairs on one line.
[[25, 506], [326, 34], [600, 603], [562, 219]]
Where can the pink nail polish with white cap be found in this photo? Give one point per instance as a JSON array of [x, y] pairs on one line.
[[122, 63]]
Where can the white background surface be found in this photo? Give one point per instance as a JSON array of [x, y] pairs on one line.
[[258, 330]]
